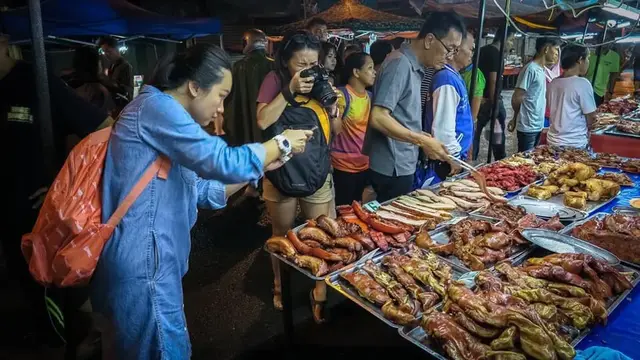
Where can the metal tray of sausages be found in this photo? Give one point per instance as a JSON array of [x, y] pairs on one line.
[[441, 236], [343, 287], [600, 216], [306, 272]]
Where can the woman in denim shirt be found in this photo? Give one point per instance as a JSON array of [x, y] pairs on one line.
[[137, 287]]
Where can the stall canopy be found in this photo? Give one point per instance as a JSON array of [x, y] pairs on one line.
[[352, 15], [66, 18]]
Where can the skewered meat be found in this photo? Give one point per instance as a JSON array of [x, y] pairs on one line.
[[281, 245], [316, 234], [457, 343], [367, 287], [317, 267]]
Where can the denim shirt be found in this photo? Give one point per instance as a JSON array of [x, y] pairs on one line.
[[148, 252]]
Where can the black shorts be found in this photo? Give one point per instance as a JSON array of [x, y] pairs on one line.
[[349, 186]]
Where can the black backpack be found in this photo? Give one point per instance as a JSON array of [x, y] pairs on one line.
[[305, 173]]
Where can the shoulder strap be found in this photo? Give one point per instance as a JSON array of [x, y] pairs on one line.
[[161, 167], [347, 100]]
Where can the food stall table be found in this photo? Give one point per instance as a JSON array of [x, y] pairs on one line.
[[603, 143]]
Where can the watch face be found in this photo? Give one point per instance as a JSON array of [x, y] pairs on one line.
[[286, 143]]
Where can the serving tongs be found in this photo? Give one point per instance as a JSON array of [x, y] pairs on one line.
[[479, 178]]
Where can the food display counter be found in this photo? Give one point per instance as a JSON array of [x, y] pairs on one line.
[[425, 262]]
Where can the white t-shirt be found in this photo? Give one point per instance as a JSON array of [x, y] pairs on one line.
[[533, 81], [569, 100]]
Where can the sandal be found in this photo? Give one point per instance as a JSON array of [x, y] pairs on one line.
[[319, 306], [277, 299]]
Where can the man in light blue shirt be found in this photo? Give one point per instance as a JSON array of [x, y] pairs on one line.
[[529, 98]]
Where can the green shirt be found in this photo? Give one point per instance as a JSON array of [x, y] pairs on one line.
[[480, 81], [609, 63]]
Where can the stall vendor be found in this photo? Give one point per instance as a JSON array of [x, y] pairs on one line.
[[448, 114]]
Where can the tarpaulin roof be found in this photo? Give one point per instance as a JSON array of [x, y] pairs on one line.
[[355, 16], [103, 17]]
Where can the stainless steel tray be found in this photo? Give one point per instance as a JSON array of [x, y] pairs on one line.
[[467, 174], [441, 236], [599, 216], [546, 209], [561, 243], [592, 206], [304, 271], [343, 287]]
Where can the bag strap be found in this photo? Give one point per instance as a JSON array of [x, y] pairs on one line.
[[347, 100], [161, 167]]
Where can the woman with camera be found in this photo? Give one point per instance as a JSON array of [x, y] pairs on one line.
[[297, 95], [137, 285]]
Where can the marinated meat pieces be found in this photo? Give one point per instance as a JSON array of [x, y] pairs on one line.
[[629, 127], [619, 178], [456, 341], [505, 212], [619, 234], [367, 287], [507, 177]]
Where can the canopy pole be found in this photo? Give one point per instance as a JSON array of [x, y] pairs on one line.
[[595, 68], [476, 56], [586, 27], [43, 107], [499, 80]]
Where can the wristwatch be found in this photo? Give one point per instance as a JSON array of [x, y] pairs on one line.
[[285, 147]]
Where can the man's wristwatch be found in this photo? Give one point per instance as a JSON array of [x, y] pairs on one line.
[[285, 147]]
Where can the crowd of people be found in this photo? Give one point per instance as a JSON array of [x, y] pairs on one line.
[[314, 128]]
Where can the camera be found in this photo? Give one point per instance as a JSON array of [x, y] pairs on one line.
[[322, 90]]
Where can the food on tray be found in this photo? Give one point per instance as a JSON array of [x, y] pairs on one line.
[[629, 127], [403, 285], [508, 177], [516, 160], [530, 311], [578, 183], [635, 203], [599, 190], [575, 199], [505, 212], [546, 168], [465, 194], [618, 106], [603, 120], [631, 166], [618, 178], [608, 160], [619, 234], [325, 245], [542, 192]]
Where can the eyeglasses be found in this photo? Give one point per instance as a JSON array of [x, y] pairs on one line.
[[302, 37], [450, 52]]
